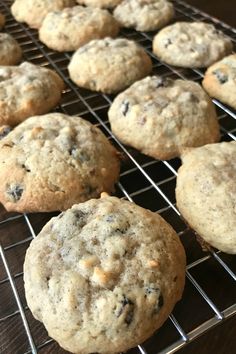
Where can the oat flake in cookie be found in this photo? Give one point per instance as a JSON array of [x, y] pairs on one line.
[[10, 51], [109, 65], [206, 193], [27, 90], [144, 15], [53, 161], [73, 27], [33, 12], [110, 276], [105, 4], [220, 80], [191, 44], [160, 116]]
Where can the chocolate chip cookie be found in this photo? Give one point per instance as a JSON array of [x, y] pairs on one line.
[[105, 4], [33, 12], [220, 80], [144, 15], [104, 275], [51, 162], [109, 65], [73, 27], [191, 44], [10, 51], [26, 90], [160, 116], [206, 193]]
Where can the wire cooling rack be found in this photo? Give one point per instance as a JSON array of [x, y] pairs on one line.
[[209, 296]]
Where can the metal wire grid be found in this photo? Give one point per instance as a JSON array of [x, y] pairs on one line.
[[148, 182]]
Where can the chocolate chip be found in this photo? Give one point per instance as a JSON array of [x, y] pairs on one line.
[[15, 192], [221, 77], [25, 168], [194, 98], [79, 217], [167, 42], [160, 300], [4, 132], [124, 107], [83, 156], [126, 306]]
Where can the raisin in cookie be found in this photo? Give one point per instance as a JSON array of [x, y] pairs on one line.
[[55, 161], [111, 274], [220, 80], [33, 12], [206, 193], [144, 15], [10, 51], [109, 65], [159, 116], [73, 27], [26, 90], [191, 45], [104, 4], [2, 20]]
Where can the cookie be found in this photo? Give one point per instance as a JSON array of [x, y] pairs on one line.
[[144, 15], [73, 27], [191, 44], [55, 161], [26, 90], [220, 80], [104, 4], [10, 51], [206, 193], [2, 20], [160, 116], [111, 274], [33, 12], [109, 65]]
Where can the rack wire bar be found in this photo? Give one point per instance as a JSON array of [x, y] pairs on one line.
[[150, 186]]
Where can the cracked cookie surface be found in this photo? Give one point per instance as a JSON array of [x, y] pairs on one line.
[[160, 116], [33, 12], [27, 90], [54, 161], [111, 274], [191, 44], [144, 15], [73, 27], [109, 65], [220, 80], [206, 193], [10, 51]]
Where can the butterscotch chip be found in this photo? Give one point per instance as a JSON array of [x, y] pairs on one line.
[[206, 193], [117, 301]]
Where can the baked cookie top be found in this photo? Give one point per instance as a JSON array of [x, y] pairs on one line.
[[73, 27], [105, 4], [10, 51], [55, 161], [220, 80], [191, 44], [144, 15], [109, 65], [206, 193], [2, 20], [26, 90], [111, 274], [33, 12], [159, 116]]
